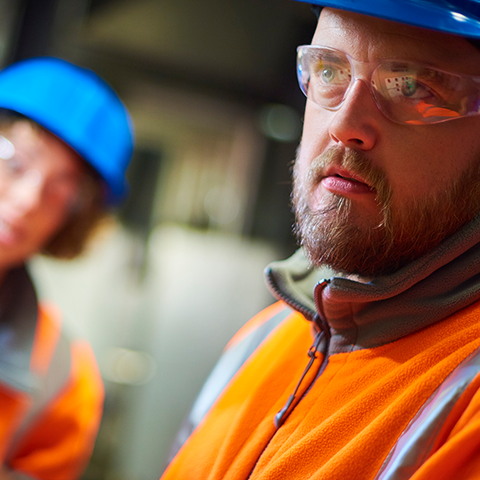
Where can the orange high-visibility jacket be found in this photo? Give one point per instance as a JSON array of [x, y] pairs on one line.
[[357, 381], [51, 393]]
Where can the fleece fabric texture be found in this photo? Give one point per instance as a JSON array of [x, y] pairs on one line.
[[349, 417]]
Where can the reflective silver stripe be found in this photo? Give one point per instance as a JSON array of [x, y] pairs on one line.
[[49, 387], [229, 364], [18, 320], [415, 444]]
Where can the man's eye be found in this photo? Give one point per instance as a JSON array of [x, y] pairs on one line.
[[416, 90], [333, 75], [328, 75], [409, 87]]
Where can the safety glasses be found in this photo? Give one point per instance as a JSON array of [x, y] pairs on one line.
[[405, 92]]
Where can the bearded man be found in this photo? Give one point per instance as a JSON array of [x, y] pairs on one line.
[[368, 367]]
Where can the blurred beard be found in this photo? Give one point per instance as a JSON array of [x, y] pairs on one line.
[[330, 236]]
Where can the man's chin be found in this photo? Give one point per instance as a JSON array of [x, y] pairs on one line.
[[350, 251]]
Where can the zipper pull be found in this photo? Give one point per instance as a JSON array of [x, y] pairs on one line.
[[281, 416], [278, 420]]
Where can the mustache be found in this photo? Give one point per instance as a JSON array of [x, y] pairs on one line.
[[354, 161]]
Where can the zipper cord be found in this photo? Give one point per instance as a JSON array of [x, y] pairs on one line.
[[323, 331], [281, 416]]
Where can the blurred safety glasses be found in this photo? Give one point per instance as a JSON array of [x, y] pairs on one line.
[[25, 172]]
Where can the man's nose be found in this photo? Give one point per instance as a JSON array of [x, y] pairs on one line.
[[356, 123]]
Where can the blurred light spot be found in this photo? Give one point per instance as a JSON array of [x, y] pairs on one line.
[[221, 206], [7, 150], [129, 367], [280, 122], [459, 17]]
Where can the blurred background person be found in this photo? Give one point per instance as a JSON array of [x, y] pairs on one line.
[[65, 142]]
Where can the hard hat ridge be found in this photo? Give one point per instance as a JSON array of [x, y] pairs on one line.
[[78, 107]]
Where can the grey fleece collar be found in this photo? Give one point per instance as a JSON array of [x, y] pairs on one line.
[[18, 320], [366, 315]]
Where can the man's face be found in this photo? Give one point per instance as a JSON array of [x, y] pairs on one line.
[[372, 195], [39, 183]]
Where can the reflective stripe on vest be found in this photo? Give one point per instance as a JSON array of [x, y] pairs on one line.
[[51, 362], [416, 443], [229, 364]]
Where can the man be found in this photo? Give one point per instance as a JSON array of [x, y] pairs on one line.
[[65, 142], [368, 368]]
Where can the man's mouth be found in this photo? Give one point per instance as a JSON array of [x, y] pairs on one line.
[[345, 174], [345, 182], [350, 179]]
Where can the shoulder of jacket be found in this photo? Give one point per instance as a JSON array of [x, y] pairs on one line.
[[234, 356]]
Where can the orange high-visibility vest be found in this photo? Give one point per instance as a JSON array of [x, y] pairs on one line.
[[48, 431], [409, 409]]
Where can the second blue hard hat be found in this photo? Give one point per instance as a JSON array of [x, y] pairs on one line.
[[77, 106], [457, 17]]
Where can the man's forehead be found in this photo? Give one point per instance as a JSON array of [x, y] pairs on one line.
[[369, 39]]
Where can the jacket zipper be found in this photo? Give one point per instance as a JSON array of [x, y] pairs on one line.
[[323, 332], [313, 352]]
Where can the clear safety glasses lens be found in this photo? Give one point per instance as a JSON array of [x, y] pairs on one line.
[[404, 92]]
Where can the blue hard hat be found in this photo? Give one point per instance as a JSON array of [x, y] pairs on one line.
[[78, 107], [458, 17]]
